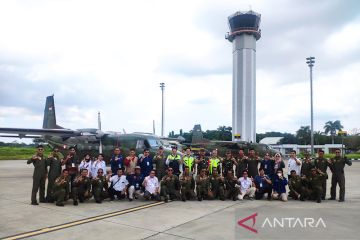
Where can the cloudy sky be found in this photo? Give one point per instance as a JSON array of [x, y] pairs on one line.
[[110, 56]]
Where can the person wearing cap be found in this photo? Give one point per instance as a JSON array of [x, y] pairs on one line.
[[135, 183], [202, 162], [146, 163], [39, 175], [170, 186], [214, 162], [54, 163], [228, 163], [159, 161], [173, 161], [188, 160]]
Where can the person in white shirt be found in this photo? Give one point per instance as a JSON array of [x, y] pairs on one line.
[[119, 185], [293, 164], [97, 164], [86, 164], [247, 187], [152, 187]]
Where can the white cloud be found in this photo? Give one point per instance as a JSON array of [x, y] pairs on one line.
[[110, 56]]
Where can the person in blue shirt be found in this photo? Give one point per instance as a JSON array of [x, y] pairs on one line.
[[116, 161], [146, 163], [268, 165], [135, 184], [279, 186], [263, 185]]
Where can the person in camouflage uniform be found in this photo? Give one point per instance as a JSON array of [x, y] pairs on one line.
[[252, 164], [62, 188], [228, 163], [231, 186], [241, 165], [202, 161], [159, 160], [100, 187], [296, 186], [187, 185], [81, 187], [54, 164], [322, 164], [216, 186], [170, 186], [306, 165], [336, 166], [39, 175], [314, 190], [202, 185]]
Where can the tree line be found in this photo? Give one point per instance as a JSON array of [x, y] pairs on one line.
[[330, 135]]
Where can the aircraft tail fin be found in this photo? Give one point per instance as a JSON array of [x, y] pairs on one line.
[[197, 136], [49, 114]]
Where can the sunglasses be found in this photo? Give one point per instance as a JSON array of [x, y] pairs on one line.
[[40, 149]]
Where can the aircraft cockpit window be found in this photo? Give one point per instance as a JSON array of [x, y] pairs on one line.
[[153, 143], [140, 144]]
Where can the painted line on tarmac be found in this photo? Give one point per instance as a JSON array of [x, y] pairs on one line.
[[79, 222]]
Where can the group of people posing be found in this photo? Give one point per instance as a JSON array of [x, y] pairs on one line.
[[183, 176]]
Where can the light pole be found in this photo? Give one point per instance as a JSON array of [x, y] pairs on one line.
[[310, 61], [162, 86]]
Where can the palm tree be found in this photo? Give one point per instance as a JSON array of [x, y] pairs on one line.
[[331, 127], [303, 135]]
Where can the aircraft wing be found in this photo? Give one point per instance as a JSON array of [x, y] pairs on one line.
[[33, 132]]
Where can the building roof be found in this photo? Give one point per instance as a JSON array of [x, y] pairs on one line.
[[271, 140]]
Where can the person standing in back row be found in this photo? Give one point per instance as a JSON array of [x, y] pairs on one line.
[[173, 161], [252, 164], [39, 176], [54, 163], [336, 166], [294, 164], [159, 161]]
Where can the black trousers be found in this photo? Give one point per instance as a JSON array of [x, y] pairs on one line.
[[338, 178]]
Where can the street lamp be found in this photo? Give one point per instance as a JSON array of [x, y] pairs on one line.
[[162, 86], [310, 61]]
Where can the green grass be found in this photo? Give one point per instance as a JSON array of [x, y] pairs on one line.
[[19, 153]]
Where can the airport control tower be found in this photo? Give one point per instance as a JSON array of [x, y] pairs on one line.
[[244, 32]]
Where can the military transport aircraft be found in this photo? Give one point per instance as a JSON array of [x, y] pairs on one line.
[[88, 140], [199, 142]]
